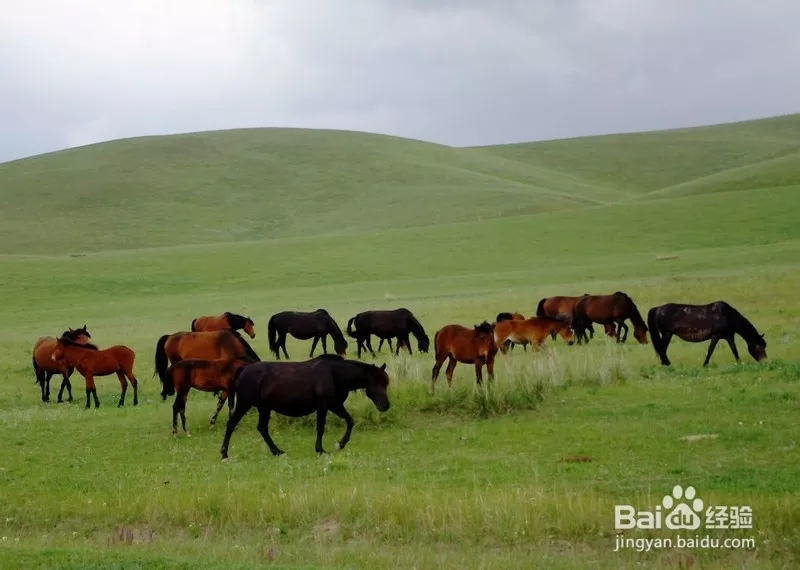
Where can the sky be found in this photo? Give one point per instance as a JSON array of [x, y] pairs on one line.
[[460, 73]]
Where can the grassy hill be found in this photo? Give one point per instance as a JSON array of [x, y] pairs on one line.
[[273, 183], [137, 237]]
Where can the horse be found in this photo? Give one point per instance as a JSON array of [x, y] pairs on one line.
[[387, 325], [561, 307], [614, 308], [699, 323], [534, 330], [45, 367], [215, 376], [509, 344], [225, 321], [300, 388], [91, 361], [474, 345], [315, 324], [206, 345]]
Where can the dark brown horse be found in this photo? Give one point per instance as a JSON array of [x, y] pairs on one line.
[[386, 325], [561, 307], [90, 362], [298, 389], [509, 344], [699, 323], [205, 375], [211, 345], [45, 367], [604, 309], [223, 322], [304, 326], [466, 345], [534, 330]]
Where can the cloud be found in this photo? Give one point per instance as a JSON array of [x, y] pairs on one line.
[[453, 72]]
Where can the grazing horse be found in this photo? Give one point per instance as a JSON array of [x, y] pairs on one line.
[[468, 346], [561, 307], [225, 321], [300, 388], [534, 330], [208, 345], [387, 325], [699, 323], [316, 324], [614, 308], [205, 375], [45, 367], [509, 344], [91, 361]]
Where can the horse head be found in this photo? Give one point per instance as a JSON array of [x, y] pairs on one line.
[[377, 383], [249, 327], [758, 348]]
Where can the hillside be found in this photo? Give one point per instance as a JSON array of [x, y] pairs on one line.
[[257, 184]]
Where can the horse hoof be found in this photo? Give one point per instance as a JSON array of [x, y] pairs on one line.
[[337, 446], [188, 434], [224, 459]]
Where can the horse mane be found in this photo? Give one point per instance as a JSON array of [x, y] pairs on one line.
[[416, 326], [747, 329], [504, 317], [68, 340], [247, 348], [236, 321], [484, 327]]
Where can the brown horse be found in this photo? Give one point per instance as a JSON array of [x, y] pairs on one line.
[[614, 308], [509, 344], [534, 330], [223, 322], [209, 345], [561, 307], [45, 367], [91, 362], [205, 375], [468, 346]]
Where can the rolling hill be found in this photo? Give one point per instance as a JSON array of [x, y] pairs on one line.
[[259, 184]]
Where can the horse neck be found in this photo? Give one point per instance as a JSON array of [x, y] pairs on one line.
[[745, 328], [415, 327], [334, 330], [636, 317]]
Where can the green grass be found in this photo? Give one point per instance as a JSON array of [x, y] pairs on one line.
[[140, 236]]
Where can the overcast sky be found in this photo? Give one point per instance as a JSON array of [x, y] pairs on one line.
[[460, 73]]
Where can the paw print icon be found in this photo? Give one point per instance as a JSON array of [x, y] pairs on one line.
[[683, 507]]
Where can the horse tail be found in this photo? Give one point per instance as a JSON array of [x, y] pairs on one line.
[[37, 371], [540, 308], [351, 332], [245, 345], [655, 332], [194, 323], [168, 382], [162, 362], [272, 335]]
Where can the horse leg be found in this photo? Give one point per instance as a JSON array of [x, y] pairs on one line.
[[711, 348], [176, 408], [490, 367], [135, 383], [282, 345], [407, 342], [437, 366], [222, 397], [46, 397], [732, 344], [369, 345], [233, 421], [325, 344], [449, 371], [322, 416], [123, 382], [263, 428], [625, 334], [313, 346], [665, 338], [91, 390], [182, 410], [478, 372], [44, 383], [348, 419]]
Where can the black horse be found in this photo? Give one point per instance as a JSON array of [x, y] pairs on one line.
[[300, 388], [316, 324], [386, 325], [699, 323]]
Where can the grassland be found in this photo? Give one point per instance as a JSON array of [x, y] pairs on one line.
[[137, 237]]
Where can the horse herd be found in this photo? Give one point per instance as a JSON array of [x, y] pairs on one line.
[[215, 357]]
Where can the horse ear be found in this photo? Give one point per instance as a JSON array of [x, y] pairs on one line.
[[383, 366]]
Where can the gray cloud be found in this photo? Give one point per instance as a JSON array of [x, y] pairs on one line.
[[459, 73]]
